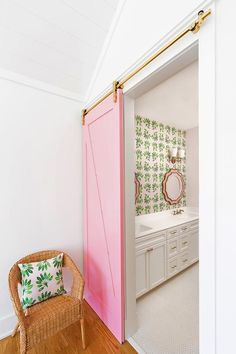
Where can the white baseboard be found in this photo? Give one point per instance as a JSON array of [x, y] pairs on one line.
[[136, 346], [7, 325]]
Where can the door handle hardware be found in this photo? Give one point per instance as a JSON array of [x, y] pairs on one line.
[[185, 260], [173, 248], [173, 232], [185, 242], [173, 267], [149, 249]]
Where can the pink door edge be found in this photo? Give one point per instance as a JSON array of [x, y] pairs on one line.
[[103, 181]]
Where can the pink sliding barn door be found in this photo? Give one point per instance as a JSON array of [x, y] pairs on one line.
[[103, 212]]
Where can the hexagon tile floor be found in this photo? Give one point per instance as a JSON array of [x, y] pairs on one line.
[[168, 316]]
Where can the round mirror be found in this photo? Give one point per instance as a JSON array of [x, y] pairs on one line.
[[173, 186]]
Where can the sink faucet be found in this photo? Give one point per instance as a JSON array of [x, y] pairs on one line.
[[178, 211]]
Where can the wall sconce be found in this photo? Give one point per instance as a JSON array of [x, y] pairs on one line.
[[176, 154]]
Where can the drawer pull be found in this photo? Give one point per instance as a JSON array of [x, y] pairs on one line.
[[185, 242], [184, 228], [173, 248], [173, 266], [173, 232], [149, 249], [185, 260]]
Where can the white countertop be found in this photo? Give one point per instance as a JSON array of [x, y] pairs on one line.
[[150, 223]]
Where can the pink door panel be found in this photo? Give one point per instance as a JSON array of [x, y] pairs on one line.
[[103, 212]]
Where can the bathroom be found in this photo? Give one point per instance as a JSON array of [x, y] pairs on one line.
[[166, 217]]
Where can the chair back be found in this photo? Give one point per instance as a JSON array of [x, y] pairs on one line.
[[15, 274]]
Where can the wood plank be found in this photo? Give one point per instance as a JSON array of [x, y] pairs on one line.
[[99, 340]]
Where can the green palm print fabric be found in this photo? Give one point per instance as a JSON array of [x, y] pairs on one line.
[[153, 140], [41, 280]]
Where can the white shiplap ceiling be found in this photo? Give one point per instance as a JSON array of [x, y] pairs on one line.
[[55, 41]]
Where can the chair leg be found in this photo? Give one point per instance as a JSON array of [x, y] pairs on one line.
[[15, 330], [23, 342], [82, 333]]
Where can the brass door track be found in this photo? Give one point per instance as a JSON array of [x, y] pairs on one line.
[[194, 28]]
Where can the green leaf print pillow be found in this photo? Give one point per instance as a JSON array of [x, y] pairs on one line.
[[41, 280]]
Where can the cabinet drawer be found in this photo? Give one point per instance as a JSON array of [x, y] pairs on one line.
[[183, 260], [172, 232], [172, 247], [184, 242], [194, 226], [173, 266], [184, 228], [149, 241]]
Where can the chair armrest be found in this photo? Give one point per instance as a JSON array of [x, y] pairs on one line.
[[13, 281], [77, 289]]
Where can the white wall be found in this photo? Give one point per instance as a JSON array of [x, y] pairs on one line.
[[40, 180], [192, 168], [225, 176], [142, 24], [174, 101]]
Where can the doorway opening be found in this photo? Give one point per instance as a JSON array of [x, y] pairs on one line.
[[162, 208]]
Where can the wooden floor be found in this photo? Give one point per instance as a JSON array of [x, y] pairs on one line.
[[99, 340]]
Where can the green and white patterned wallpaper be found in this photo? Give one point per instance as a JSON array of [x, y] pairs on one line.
[[153, 141]]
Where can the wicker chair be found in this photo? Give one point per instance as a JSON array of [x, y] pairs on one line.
[[48, 317]]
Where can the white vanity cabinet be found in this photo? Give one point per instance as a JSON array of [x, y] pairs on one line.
[[141, 271], [156, 263], [193, 247], [150, 262], [161, 255]]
